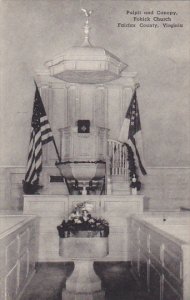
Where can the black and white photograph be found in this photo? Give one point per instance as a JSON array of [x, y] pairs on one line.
[[95, 150]]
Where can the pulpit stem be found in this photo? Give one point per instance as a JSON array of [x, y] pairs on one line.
[[83, 284]]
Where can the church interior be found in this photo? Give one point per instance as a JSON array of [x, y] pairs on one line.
[[90, 215]]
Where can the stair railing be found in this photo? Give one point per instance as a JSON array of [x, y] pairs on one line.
[[117, 154]]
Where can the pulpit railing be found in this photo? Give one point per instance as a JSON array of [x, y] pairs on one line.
[[116, 163], [117, 156]]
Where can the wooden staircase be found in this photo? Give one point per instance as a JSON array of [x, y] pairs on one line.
[[117, 180], [119, 185]]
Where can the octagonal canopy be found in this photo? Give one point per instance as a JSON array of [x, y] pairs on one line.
[[86, 63]]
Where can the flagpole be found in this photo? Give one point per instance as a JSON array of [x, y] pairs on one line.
[[137, 85], [59, 157]]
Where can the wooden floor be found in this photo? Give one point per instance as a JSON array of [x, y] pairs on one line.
[[117, 281]]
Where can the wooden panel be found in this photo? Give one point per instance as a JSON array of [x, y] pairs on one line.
[[155, 251], [72, 94], [48, 246], [119, 205], [59, 108], [2, 260], [49, 224], [167, 260], [65, 149], [16, 190], [2, 288], [85, 146], [173, 264], [32, 255], [23, 269], [24, 238], [143, 240], [155, 284], [143, 272], [101, 141], [31, 232], [45, 206], [170, 292], [12, 252], [99, 111], [15, 247], [114, 105], [118, 247], [45, 244], [86, 102], [11, 284]]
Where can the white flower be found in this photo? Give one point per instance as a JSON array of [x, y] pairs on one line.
[[91, 221], [72, 216], [78, 221], [88, 206]]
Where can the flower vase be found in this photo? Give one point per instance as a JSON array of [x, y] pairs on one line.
[[134, 191]]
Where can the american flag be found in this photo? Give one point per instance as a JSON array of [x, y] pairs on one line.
[[40, 134], [131, 133]]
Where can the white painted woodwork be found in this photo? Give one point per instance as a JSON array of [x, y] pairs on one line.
[[86, 148], [117, 154], [103, 104], [160, 245], [83, 147], [86, 64], [52, 209], [120, 185], [18, 252], [165, 188], [82, 102]]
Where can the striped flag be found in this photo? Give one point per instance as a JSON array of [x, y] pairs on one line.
[[40, 134], [131, 132]]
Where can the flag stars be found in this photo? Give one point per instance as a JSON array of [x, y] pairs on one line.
[[40, 134]]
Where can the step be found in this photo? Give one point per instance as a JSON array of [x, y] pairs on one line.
[[120, 185], [121, 193], [120, 188], [119, 178]]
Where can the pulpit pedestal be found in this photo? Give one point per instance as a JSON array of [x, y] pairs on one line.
[[83, 283]]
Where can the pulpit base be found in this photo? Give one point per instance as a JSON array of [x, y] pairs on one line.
[[83, 283], [83, 296]]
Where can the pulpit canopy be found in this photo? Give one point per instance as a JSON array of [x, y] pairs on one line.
[[86, 63]]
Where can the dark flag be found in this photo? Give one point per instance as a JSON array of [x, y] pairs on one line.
[[131, 132], [40, 134]]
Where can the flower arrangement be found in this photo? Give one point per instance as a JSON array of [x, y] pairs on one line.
[[135, 182], [81, 223]]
